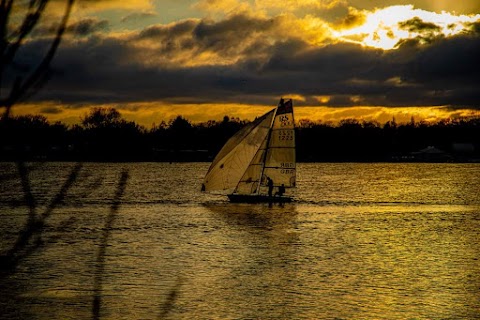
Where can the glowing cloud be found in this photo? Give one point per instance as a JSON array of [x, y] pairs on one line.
[[99, 5], [386, 28], [222, 6], [292, 5]]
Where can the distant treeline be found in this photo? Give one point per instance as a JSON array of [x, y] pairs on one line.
[[103, 135]]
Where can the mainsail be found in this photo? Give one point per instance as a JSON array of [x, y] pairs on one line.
[[263, 148]]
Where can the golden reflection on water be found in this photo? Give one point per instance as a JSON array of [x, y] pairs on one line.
[[355, 265], [257, 263], [347, 249], [413, 265]]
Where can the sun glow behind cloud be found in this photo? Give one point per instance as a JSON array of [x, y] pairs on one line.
[[386, 28], [251, 23]]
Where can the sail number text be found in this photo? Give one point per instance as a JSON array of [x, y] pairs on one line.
[[285, 121], [287, 167], [285, 135]]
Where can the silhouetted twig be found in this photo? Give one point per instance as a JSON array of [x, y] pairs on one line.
[[21, 88], [29, 238]]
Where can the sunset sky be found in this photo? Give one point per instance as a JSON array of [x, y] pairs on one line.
[[203, 59]]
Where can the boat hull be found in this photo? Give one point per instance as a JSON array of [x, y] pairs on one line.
[[256, 198]]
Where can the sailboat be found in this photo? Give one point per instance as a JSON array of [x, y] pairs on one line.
[[258, 164]]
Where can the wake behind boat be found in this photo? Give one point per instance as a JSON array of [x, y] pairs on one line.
[[258, 163], [257, 198]]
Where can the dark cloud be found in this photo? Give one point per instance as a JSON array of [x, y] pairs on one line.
[[162, 32], [352, 19], [266, 65], [88, 26], [237, 26], [427, 32], [418, 25], [447, 62], [239, 34], [51, 110], [83, 27], [474, 27], [171, 39]]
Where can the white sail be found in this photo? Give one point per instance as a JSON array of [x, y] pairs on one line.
[[251, 179], [234, 158], [280, 162]]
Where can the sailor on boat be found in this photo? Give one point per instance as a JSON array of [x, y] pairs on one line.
[[281, 190], [270, 186]]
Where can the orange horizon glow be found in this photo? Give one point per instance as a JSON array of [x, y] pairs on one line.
[[149, 113]]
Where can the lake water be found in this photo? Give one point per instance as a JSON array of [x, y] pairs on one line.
[[140, 241]]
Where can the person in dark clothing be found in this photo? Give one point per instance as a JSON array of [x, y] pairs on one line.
[[281, 190], [270, 186]]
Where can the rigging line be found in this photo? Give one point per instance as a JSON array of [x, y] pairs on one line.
[[259, 147], [282, 148], [249, 165]]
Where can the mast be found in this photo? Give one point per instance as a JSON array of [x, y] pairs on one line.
[[266, 147]]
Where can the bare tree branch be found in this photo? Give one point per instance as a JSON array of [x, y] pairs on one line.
[[21, 88], [34, 227], [30, 20]]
